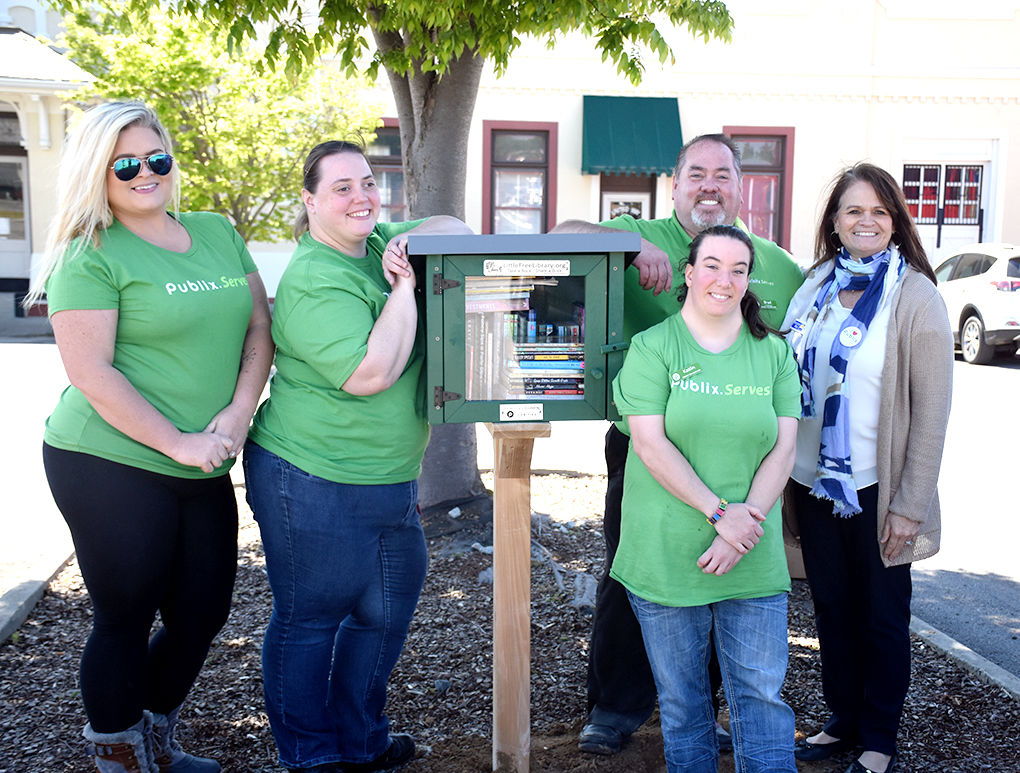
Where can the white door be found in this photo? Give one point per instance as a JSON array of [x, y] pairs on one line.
[[954, 238], [15, 250]]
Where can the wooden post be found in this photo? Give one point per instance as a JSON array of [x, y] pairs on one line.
[[511, 594]]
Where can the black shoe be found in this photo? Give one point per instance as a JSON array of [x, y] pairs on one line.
[[805, 751], [397, 754], [857, 767], [600, 739]]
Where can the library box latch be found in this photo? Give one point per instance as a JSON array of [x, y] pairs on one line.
[[439, 283], [619, 346], [441, 396]]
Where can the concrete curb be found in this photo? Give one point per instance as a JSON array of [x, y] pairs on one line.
[[17, 603], [982, 668]]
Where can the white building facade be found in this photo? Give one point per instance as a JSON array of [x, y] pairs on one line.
[[929, 90]]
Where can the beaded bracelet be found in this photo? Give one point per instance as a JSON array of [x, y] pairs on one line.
[[714, 517]]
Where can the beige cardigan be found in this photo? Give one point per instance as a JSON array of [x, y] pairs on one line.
[[917, 388]]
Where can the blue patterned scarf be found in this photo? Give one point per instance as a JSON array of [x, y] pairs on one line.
[[835, 477]]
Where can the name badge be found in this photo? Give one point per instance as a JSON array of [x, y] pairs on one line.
[[850, 336], [690, 371]]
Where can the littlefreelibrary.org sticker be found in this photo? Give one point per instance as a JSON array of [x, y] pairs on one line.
[[521, 412], [495, 267]]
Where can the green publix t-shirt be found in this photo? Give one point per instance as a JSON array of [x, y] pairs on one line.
[[774, 280], [325, 308], [720, 411], [181, 323]]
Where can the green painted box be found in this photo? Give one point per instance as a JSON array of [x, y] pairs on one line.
[[523, 327]]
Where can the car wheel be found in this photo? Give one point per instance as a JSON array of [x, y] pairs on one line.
[[972, 342]]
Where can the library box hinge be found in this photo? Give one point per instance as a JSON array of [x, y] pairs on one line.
[[439, 283], [442, 396]]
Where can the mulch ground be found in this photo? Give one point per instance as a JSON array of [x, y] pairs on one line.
[[441, 691]]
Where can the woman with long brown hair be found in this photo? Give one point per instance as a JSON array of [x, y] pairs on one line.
[[872, 340]]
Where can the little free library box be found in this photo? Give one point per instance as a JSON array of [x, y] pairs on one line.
[[523, 327]]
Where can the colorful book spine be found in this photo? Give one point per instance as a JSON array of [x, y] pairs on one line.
[[552, 364], [496, 304]]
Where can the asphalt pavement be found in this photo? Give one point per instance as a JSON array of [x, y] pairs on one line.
[[970, 589], [35, 544]]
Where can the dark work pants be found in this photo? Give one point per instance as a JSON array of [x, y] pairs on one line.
[[862, 609], [145, 543], [619, 677]]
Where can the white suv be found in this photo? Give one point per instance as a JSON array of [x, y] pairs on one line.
[[981, 288]]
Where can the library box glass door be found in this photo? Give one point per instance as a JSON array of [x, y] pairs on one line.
[[523, 327]]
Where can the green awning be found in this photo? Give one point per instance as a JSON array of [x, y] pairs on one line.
[[630, 135]]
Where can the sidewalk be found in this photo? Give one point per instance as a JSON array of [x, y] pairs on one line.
[[35, 543]]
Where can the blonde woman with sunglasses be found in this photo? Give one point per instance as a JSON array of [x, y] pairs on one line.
[[162, 324]]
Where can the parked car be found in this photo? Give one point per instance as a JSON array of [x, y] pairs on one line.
[[981, 288]]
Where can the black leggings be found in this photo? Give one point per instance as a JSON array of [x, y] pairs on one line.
[[862, 609], [145, 542]]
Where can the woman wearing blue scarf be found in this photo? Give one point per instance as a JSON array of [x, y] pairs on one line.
[[875, 352]]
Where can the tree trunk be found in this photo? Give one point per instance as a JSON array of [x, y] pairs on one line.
[[435, 120]]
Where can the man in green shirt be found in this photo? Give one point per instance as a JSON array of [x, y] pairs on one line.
[[706, 192]]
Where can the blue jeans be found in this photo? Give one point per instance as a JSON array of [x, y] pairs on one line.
[[346, 564], [750, 639]]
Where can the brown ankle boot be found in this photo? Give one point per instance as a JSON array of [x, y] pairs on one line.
[[128, 751]]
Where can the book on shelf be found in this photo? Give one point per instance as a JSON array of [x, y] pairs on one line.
[[545, 383], [551, 382], [476, 305], [551, 356], [550, 364]]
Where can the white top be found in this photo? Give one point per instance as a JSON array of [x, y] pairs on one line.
[[864, 384]]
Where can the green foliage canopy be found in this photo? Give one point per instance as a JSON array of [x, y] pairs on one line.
[[434, 33], [241, 132]]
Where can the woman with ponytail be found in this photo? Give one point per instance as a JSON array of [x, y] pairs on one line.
[[711, 400], [332, 468]]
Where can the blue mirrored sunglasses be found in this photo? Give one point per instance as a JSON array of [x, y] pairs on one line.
[[128, 168]]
